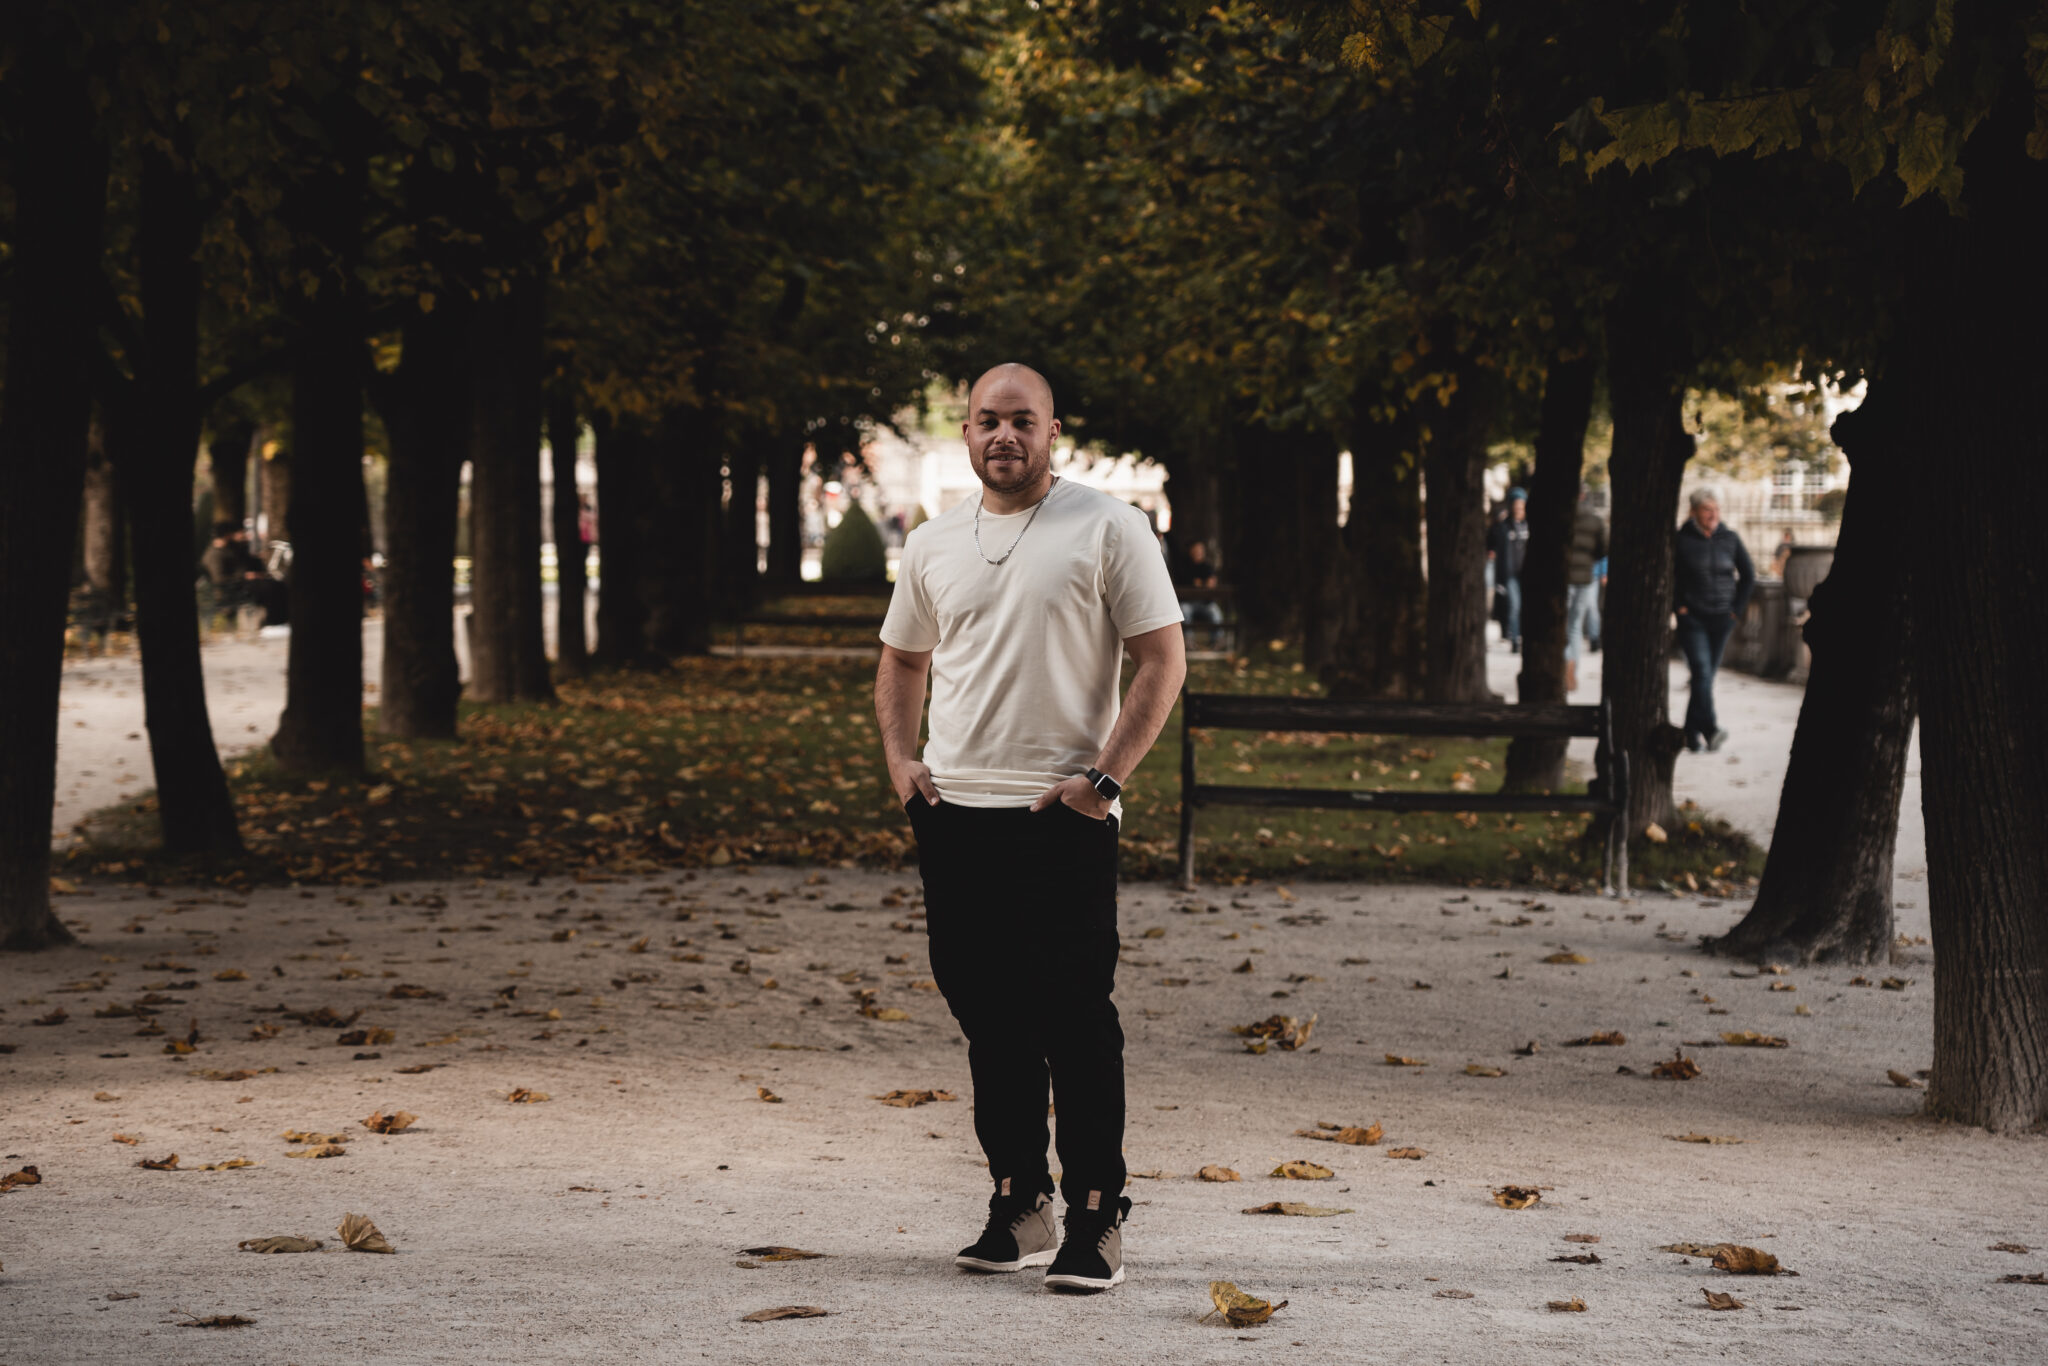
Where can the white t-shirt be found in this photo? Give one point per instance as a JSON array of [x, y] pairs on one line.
[[1026, 655]]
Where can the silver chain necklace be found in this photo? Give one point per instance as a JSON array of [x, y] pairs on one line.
[[1020, 535]]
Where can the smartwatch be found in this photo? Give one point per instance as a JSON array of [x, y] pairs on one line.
[[1107, 786]]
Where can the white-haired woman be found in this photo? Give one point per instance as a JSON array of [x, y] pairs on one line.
[[1713, 583]]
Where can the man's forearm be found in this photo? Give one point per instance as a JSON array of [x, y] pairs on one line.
[[1146, 706], [899, 705]]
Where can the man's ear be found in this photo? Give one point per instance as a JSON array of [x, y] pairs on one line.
[[1054, 428]]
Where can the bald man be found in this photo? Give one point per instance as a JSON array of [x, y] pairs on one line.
[[1019, 604]]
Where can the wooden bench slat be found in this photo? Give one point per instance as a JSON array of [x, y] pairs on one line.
[[1327, 798], [1239, 711]]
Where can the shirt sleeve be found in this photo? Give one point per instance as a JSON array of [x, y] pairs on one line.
[[911, 625], [1745, 577], [1135, 581]]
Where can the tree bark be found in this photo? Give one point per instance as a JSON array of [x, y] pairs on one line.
[[739, 553], [1968, 342], [1826, 894], [1454, 465], [321, 729], [1322, 549], [785, 468], [1537, 765], [564, 430], [1646, 366], [623, 455], [1265, 539], [228, 457], [59, 166], [508, 650], [680, 536], [156, 442], [425, 404], [274, 489], [1376, 648]]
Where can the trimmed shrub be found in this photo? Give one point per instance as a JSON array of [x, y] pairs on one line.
[[853, 550]]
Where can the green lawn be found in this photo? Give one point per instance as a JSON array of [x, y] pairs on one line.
[[776, 760]]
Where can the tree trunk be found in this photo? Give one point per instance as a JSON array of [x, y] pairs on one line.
[[59, 172], [274, 491], [1322, 550], [564, 430], [425, 404], [105, 529], [739, 553], [1645, 378], [1454, 464], [623, 455], [1969, 341], [228, 456], [680, 535], [1826, 894], [157, 444], [785, 512], [1537, 765], [321, 729], [1377, 640], [1264, 534], [508, 650]]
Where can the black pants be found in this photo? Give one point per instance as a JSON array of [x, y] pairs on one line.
[[1021, 909], [1703, 636]]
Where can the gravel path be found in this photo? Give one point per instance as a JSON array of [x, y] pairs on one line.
[[608, 1224]]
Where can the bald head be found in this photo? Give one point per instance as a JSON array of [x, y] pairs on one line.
[[1010, 430], [1013, 374]]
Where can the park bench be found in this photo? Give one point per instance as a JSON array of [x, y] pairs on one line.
[[1607, 794]]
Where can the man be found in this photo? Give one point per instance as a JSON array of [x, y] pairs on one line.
[[1582, 590], [1713, 581], [1507, 546], [1019, 604], [1197, 573]]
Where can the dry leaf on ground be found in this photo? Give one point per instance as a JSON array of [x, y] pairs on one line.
[[1408, 1154], [1282, 1031], [1901, 1079], [1290, 1207], [767, 1096], [130, 1139], [1396, 1060], [361, 1235], [1574, 1305], [1749, 1038], [215, 1321], [2020, 1248], [1693, 1249], [787, 1311], [1608, 1038], [1582, 1237], [1744, 1261], [308, 1136], [1475, 1069], [520, 1095], [161, 1164], [104, 1095], [1580, 1258], [1453, 1295], [779, 1254], [1238, 1309], [1717, 1300], [1678, 1067], [29, 1176], [395, 1122], [1702, 1138], [1516, 1197], [228, 1165], [1302, 1170], [2024, 1278], [1212, 1172], [319, 1150], [1567, 958], [281, 1244], [910, 1100]]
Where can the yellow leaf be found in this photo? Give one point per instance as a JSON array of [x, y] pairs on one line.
[[1516, 1197], [361, 1235], [1238, 1309], [1301, 1170]]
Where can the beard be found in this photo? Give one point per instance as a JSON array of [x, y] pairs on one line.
[[1008, 475]]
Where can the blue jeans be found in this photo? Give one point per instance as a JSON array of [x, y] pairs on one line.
[[1703, 636], [1581, 616], [1513, 630]]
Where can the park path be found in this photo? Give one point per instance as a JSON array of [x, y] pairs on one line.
[[103, 756]]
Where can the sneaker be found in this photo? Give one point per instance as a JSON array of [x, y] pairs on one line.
[[1716, 740], [1092, 1257], [1692, 743], [1020, 1233]]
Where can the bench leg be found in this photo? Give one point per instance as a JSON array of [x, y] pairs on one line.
[[1187, 846]]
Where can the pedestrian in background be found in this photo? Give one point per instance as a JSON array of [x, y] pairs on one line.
[[1582, 589], [1507, 547], [1714, 580]]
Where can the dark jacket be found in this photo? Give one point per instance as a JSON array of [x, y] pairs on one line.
[[1509, 541], [1588, 546], [1714, 573]]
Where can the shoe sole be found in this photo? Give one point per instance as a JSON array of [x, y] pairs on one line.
[[1035, 1259], [1084, 1282]]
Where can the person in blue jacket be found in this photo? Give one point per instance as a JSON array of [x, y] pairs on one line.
[[1713, 582]]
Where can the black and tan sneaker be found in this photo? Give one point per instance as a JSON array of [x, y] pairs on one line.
[[1092, 1257], [1020, 1233]]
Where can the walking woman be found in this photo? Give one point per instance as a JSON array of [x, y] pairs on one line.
[[1713, 582]]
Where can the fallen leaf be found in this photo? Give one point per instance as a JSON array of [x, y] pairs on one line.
[[1896, 983], [910, 1100], [1567, 958], [1749, 1038], [229, 1165], [1290, 1207], [1516, 1197], [104, 1095], [1474, 1069], [767, 1095], [130, 1139], [1901, 1079], [520, 1095], [1609, 1038], [1239, 1309], [1396, 1060], [787, 1311], [2020, 1248], [889, 1015], [1574, 1305], [1580, 1258], [1701, 1138], [1408, 1154], [162, 1164], [1284, 1030], [1212, 1172], [308, 1136], [2024, 1278], [361, 1235], [215, 1321], [1678, 1067], [1654, 833], [1300, 1170], [231, 975], [1453, 1295], [29, 1176], [281, 1244], [395, 1122], [1744, 1261], [1245, 966], [1693, 1249], [1717, 1300], [1582, 1237], [319, 1150], [780, 1254]]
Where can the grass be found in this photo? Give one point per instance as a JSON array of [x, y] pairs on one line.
[[777, 761]]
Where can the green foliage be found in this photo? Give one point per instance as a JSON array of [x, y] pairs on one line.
[[853, 550]]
